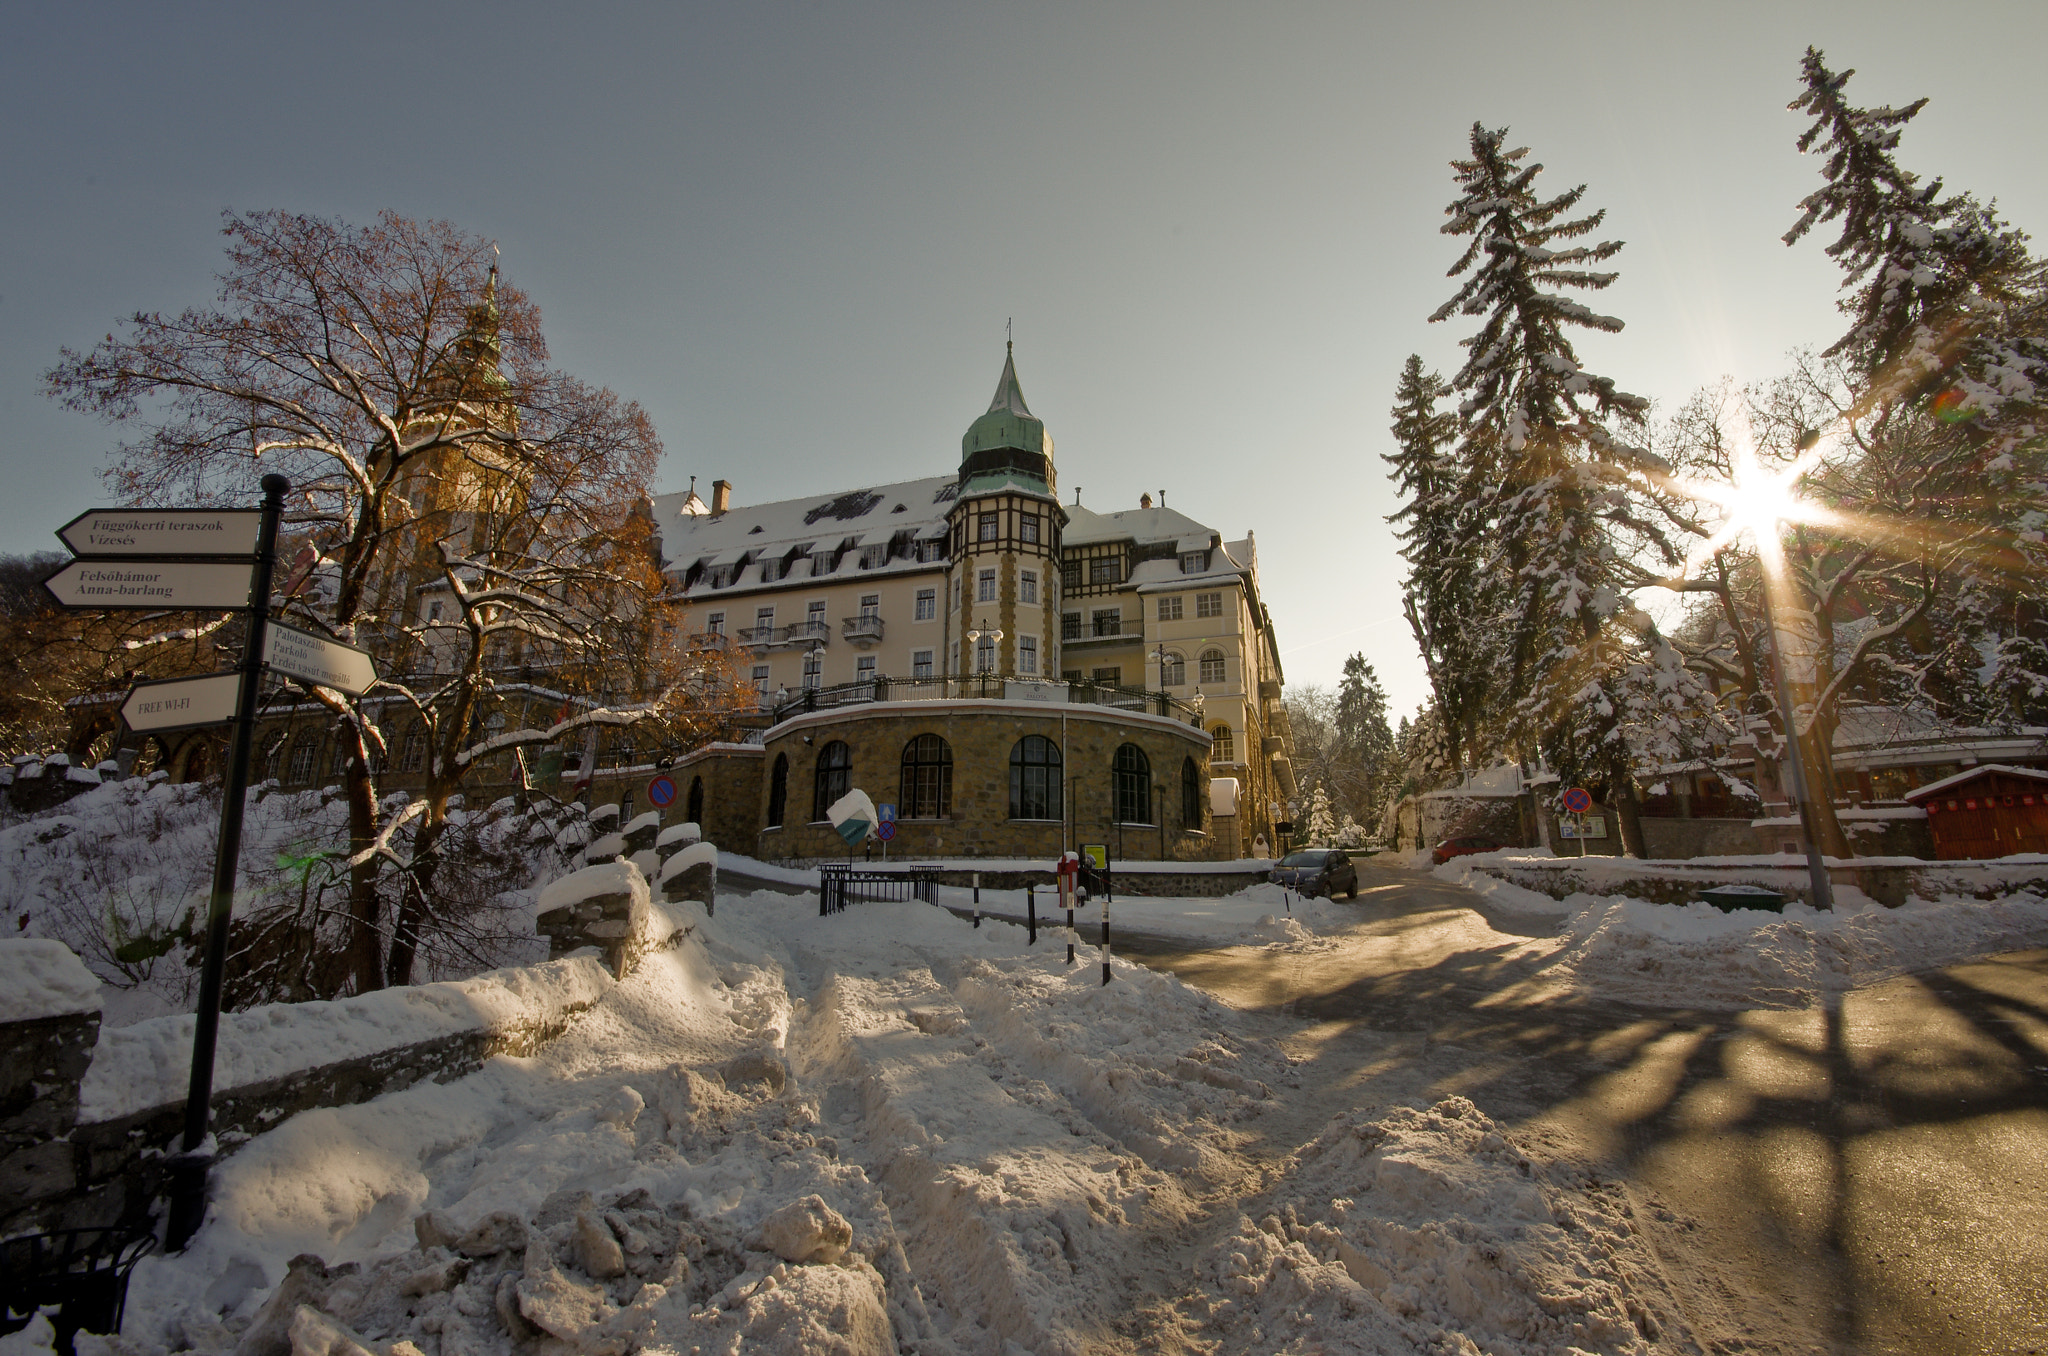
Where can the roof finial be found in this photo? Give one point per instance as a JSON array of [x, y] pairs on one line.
[[1010, 335]]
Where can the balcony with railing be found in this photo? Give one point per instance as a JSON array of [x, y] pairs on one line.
[[862, 631], [806, 635], [1100, 630], [983, 686]]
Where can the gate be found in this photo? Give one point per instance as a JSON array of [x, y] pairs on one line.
[[840, 885]]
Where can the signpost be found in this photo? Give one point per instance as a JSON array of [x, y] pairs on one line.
[[1577, 801], [171, 532], [183, 703], [1096, 855], [318, 660], [152, 585], [115, 572]]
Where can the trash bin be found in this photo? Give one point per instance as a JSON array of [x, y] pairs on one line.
[[82, 1273], [1729, 898]]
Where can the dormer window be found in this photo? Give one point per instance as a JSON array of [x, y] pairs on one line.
[[874, 557], [1194, 562]]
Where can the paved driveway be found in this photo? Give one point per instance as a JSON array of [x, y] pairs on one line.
[[1870, 1178]]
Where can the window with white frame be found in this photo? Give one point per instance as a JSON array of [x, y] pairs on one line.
[[1027, 586], [988, 527], [1170, 608], [1208, 605], [874, 557], [927, 604], [1212, 666], [814, 668], [433, 612], [715, 623], [929, 551], [1223, 748], [1106, 570], [985, 586], [1194, 562], [1173, 670], [821, 563], [1070, 626], [1027, 655], [864, 669], [920, 663], [761, 679], [1027, 527], [764, 619], [771, 570], [870, 606], [1109, 621], [985, 655]]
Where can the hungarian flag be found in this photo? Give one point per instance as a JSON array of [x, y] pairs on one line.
[[853, 814]]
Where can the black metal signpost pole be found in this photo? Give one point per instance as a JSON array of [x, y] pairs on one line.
[[187, 1171], [1031, 914]]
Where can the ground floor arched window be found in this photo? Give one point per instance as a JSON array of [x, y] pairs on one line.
[[835, 774], [1035, 779], [1190, 795], [695, 804], [1133, 774], [926, 790]]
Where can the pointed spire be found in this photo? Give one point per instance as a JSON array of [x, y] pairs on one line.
[[1009, 395]]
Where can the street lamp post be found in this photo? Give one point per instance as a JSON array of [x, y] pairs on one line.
[[1802, 797]]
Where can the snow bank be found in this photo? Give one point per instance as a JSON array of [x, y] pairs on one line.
[[1469, 871], [592, 882], [696, 854], [1427, 1230], [135, 1068], [41, 978], [1694, 954]]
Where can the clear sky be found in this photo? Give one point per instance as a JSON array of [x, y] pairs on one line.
[[795, 232]]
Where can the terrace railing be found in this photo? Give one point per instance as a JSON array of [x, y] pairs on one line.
[[984, 686]]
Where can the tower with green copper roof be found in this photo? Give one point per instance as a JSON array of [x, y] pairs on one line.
[[1009, 444]]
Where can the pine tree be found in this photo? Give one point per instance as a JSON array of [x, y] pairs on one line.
[[1949, 347], [1442, 544], [1362, 729], [1321, 824], [1548, 464]]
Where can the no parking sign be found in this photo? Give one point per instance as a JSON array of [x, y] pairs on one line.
[[661, 792]]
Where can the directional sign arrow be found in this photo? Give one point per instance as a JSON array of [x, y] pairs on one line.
[[182, 703], [163, 532], [151, 585], [318, 660]]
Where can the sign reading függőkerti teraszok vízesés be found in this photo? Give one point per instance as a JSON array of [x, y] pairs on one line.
[[167, 532]]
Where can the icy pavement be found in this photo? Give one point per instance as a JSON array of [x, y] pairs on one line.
[[888, 1130]]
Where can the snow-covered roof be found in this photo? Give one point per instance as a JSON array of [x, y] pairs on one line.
[[1971, 774], [771, 531], [1142, 525]]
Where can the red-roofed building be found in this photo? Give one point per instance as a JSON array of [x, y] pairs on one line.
[[1991, 811]]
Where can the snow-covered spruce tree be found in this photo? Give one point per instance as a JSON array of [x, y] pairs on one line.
[[1947, 357], [1368, 742], [1550, 467], [1443, 543], [1320, 826]]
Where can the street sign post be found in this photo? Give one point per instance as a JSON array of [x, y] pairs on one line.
[[152, 585], [1576, 801], [886, 812], [170, 532], [182, 703], [318, 660]]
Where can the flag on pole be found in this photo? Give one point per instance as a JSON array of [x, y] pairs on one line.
[[853, 814]]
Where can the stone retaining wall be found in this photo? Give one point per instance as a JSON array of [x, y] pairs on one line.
[[1890, 883]]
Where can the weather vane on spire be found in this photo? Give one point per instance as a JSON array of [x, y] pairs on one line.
[[1009, 332]]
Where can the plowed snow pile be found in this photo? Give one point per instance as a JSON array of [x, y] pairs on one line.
[[889, 1131]]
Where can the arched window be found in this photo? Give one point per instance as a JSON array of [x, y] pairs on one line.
[[835, 774], [1035, 779], [1224, 750], [927, 787], [1133, 785], [696, 801], [778, 791], [1173, 670], [1212, 666], [626, 807], [1190, 795]]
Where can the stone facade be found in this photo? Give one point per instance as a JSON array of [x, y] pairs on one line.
[[728, 780], [981, 735]]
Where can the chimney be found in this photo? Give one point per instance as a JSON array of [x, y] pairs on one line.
[[721, 495], [1145, 501]]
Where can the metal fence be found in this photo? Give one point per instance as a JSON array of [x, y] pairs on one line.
[[841, 885]]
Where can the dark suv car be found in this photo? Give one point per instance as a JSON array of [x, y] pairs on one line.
[[1328, 872]]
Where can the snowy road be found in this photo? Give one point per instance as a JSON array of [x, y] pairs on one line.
[[1871, 1178]]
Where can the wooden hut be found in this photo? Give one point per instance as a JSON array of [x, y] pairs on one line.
[[1989, 811]]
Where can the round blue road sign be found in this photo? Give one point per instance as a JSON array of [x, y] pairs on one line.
[[660, 791], [1578, 800], [886, 830]]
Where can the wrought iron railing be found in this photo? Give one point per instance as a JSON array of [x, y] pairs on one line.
[[811, 633], [840, 885]]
